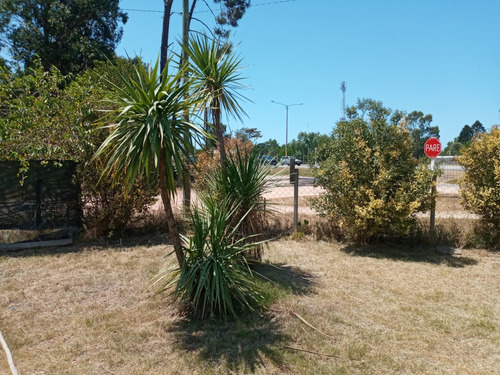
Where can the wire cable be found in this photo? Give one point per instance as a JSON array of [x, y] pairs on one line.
[[209, 11]]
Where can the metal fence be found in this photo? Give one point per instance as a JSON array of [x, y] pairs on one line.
[[280, 191], [43, 205], [449, 202]]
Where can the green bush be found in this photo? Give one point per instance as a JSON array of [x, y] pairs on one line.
[[480, 187], [215, 279], [374, 185], [48, 116], [241, 184]]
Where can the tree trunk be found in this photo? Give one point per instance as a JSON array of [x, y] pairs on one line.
[[164, 35], [186, 189], [173, 227], [219, 133]]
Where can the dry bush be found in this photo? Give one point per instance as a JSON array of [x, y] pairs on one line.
[[208, 160]]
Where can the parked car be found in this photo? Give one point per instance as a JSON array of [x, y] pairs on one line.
[[266, 159], [285, 160]]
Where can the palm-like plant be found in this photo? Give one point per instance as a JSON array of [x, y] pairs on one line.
[[215, 71], [215, 278], [241, 182], [149, 131]]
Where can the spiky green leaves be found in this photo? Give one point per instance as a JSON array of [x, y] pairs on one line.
[[149, 124], [215, 278]]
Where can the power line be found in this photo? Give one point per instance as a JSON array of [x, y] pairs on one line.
[[207, 11]]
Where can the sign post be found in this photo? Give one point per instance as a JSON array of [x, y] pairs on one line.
[[432, 149]]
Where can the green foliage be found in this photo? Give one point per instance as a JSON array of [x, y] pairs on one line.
[[374, 186], [240, 184], [150, 106], [468, 132], [418, 124], [477, 127], [215, 73], [248, 134], [452, 149], [465, 135], [305, 145], [215, 279], [270, 147], [69, 35], [420, 130], [480, 187], [231, 12], [45, 118]]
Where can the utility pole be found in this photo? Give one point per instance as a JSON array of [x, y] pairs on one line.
[[343, 88], [286, 131]]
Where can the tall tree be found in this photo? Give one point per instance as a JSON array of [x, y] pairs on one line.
[[231, 13], [306, 144], [269, 147], [68, 34], [151, 131], [248, 134], [465, 135], [477, 128], [420, 130], [215, 70]]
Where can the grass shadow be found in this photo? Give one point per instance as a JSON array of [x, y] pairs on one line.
[[246, 344], [406, 253], [289, 278], [242, 345]]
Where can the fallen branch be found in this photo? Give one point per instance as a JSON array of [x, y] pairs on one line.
[[9, 355], [310, 351], [311, 326]]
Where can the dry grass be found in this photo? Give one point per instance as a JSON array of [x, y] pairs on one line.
[[449, 203], [451, 176], [88, 311], [303, 172]]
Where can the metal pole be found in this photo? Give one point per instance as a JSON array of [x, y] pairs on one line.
[[286, 135], [432, 225], [286, 131], [296, 201]]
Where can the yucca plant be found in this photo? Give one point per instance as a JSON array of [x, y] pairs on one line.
[[215, 279], [241, 182], [148, 130]]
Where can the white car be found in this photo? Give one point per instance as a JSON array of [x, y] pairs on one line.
[[285, 160]]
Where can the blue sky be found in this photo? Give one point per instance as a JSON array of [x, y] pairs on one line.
[[438, 56]]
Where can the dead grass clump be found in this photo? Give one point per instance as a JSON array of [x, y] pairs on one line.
[[449, 204]]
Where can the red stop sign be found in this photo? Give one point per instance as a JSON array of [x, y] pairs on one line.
[[432, 147]]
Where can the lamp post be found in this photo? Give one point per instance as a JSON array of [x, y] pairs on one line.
[[286, 134]]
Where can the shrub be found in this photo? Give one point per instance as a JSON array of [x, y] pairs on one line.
[[107, 207], [480, 187], [374, 185], [241, 184], [215, 279], [209, 160], [48, 116]]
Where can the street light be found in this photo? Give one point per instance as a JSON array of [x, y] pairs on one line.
[[286, 107]]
